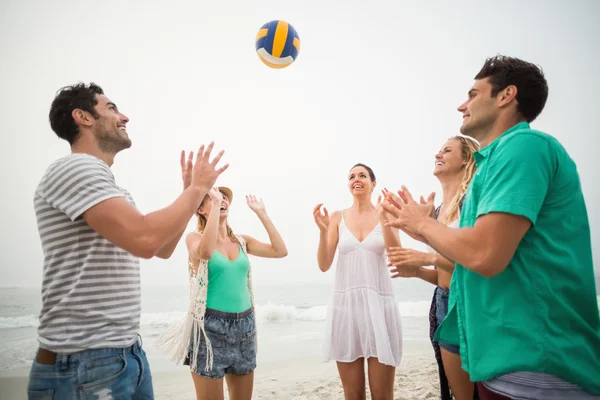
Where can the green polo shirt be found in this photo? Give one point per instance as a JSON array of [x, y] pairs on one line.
[[541, 313]]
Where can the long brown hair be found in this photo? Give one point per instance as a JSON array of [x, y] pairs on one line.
[[202, 224], [468, 147]]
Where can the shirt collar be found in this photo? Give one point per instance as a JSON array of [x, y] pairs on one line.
[[480, 154]]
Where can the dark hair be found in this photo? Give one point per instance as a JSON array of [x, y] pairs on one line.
[[532, 88], [67, 99], [369, 170]]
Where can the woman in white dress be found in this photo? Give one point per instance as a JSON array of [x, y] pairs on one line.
[[363, 320]]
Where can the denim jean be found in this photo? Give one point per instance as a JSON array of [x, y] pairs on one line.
[[108, 373], [440, 313], [233, 340]]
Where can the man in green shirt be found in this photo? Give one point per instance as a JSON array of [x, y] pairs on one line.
[[522, 301]]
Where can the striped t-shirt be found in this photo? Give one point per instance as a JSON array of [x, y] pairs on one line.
[[91, 287], [536, 385]]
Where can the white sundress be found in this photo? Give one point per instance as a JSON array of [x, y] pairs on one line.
[[363, 319]]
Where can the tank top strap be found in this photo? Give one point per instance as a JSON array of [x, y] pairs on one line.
[[342, 221]]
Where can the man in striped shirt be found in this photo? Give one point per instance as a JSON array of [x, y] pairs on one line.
[[92, 236]]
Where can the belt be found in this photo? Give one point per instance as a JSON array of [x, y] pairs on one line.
[[46, 357], [228, 315]]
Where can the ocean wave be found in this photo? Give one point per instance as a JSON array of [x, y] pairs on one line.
[[265, 313], [280, 312], [162, 318], [23, 321]]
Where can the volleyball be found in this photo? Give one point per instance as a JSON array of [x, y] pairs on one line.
[[277, 44]]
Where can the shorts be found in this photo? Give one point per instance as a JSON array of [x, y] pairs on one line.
[[233, 340], [441, 301]]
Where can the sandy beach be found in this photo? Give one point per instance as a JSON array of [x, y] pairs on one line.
[[300, 378]]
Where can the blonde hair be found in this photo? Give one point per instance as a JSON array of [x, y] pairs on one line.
[[202, 224], [468, 146]]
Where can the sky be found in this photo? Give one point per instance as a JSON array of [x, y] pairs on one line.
[[375, 82]]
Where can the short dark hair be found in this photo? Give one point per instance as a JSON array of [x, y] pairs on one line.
[[369, 170], [67, 99], [532, 88]]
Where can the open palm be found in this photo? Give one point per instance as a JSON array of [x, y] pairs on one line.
[[215, 195], [382, 214], [322, 220], [255, 204], [186, 168]]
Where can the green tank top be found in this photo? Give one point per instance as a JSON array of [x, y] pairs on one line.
[[228, 283]]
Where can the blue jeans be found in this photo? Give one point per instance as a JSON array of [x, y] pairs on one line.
[[107, 373]]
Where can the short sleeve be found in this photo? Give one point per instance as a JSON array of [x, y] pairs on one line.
[[518, 176], [78, 183]]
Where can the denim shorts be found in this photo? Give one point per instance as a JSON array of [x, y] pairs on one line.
[[441, 301], [108, 373], [233, 340]]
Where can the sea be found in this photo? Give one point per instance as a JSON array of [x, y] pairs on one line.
[[290, 320]]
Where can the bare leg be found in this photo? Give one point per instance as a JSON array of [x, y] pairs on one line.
[[353, 379], [381, 380], [458, 379], [208, 388], [240, 386]]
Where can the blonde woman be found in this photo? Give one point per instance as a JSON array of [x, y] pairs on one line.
[[218, 338], [454, 168]]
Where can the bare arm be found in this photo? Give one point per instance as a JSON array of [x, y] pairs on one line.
[[327, 243], [428, 275], [275, 249], [187, 168], [167, 250], [409, 263], [328, 239], [191, 241], [142, 235], [203, 246], [391, 235], [145, 235], [510, 201], [486, 249], [442, 262]]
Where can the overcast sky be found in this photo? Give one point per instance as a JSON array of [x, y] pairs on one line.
[[376, 82]]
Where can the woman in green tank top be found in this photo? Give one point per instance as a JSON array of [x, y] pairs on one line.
[[226, 342]]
